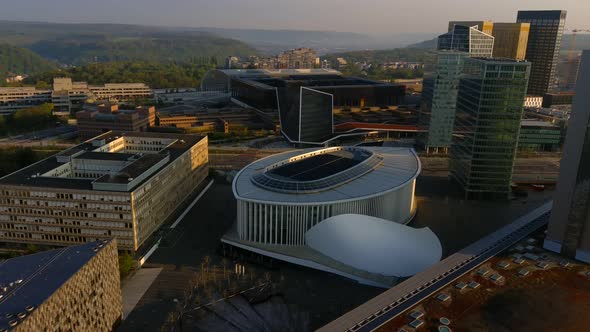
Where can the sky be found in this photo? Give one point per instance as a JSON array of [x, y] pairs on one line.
[[376, 17]]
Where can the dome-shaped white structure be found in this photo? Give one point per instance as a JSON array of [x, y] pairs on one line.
[[375, 245]]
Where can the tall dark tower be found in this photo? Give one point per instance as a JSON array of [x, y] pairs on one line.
[[569, 228], [543, 46]]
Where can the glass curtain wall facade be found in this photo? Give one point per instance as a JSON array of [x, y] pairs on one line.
[[489, 111], [544, 43], [439, 101], [467, 39], [511, 40]]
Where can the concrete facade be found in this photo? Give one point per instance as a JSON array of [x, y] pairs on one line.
[[569, 227], [87, 300], [122, 186]]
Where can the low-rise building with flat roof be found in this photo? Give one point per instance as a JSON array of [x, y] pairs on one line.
[[105, 118], [122, 185]]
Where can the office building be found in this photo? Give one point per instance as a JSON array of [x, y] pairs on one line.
[[13, 99], [487, 122], [299, 58], [538, 136], [546, 30], [119, 92], [483, 26], [558, 98], [67, 95], [305, 99], [439, 99], [108, 117], [122, 185], [70, 289], [510, 40], [569, 227], [467, 39]]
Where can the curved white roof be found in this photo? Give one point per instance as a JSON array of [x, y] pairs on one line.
[[375, 245], [398, 168]]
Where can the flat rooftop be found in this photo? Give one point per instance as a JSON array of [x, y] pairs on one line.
[[319, 166], [30, 280], [30, 175]]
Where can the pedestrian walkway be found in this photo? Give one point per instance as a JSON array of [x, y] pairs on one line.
[[134, 288]]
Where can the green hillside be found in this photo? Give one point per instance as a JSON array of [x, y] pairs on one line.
[[78, 44], [18, 60], [77, 50]]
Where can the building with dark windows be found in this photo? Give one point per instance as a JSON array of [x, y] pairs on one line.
[[538, 136], [558, 98], [510, 40], [467, 39], [305, 99], [544, 43], [439, 99], [69, 289], [489, 111], [569, 226], [107, 117], [122, 185]]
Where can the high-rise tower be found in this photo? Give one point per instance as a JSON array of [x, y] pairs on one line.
[[544, 42]]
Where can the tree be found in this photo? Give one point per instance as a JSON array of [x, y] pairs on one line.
[[126, 264], [42, 85]]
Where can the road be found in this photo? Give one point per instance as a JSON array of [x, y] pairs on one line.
[[41, 137]]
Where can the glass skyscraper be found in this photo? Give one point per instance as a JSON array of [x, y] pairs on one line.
[[487, 122], [467, 39], [440, 86], [543, 46], [439, 97], [569, 226]]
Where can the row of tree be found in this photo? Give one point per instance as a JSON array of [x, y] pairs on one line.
[[156, 75], [379, 73], [28, 119]]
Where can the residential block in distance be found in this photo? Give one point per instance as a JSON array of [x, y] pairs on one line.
[[489, 111], [69, 289], [105, 118], [122, 185]]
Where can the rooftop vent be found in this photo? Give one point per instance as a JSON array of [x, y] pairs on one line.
[[13, 322], [21, 315], [30, 308]]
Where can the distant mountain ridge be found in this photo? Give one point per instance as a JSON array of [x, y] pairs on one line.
[[76, 44]]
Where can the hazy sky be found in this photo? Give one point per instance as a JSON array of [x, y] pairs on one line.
[[368, 16]]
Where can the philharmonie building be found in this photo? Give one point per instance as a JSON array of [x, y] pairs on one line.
[[338, 209]]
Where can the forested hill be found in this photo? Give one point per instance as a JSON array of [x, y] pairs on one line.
[[78, 44], [78, 50], [18, 60]]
